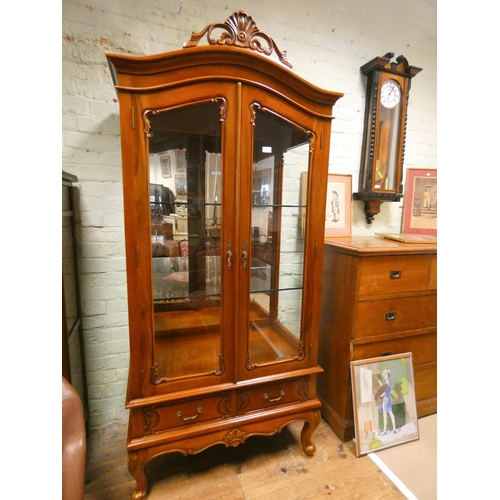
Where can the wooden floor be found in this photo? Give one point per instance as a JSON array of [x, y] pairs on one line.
[[272, 467]]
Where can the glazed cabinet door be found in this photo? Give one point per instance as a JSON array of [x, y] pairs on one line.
[[279, 249], [184, 228]]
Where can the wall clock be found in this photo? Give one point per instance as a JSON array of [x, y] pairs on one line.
[[388, 87]]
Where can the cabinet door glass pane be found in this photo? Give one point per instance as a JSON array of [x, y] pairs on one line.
[[69, 273], [185, 200], [280, 165]]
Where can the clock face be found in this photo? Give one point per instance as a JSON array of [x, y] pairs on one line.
[[390, 94]]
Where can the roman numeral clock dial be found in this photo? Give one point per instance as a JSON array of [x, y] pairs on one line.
[[391, 94]]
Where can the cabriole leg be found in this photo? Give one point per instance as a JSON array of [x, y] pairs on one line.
[[136, 462], [307, 431]]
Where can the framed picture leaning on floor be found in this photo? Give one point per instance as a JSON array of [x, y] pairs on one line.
[[385, 409]]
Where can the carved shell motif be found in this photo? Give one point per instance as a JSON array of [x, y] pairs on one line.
[[239, 30], [234, 438]]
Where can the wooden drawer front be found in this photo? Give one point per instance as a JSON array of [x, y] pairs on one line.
[[433, 274], [425, 382], [381, 275], [422, 347], [267, 396], [158, 418], [381, 317]]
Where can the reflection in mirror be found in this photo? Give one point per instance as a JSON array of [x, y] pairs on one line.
[[280, 165], [185, 167]]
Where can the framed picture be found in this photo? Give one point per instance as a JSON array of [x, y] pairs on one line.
[[338, 216], [180, 157], [420, 202], [385, 409], [180, 187], [166, 168]]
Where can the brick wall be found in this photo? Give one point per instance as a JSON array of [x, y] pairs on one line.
[[326, 41]]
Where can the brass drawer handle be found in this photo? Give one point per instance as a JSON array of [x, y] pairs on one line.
[[390, 316], [198, 411], [266, 396], [396, 274]]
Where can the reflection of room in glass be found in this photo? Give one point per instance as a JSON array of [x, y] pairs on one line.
[[187, 279], [281, 153], [184, 248]]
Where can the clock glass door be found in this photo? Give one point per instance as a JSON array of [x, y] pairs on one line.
[[276, 253], [186, 174], [387, 149]]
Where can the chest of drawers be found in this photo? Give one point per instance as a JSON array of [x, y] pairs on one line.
[[379, 297]]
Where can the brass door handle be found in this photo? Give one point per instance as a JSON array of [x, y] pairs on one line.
[[244, 254], [229, 253]]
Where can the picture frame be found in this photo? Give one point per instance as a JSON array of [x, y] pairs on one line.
[[180, 160], [166, 166], [420, 202], [338, 213], [385, 409], [180, 187]]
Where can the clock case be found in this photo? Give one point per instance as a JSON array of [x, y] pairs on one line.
[[378, 71]]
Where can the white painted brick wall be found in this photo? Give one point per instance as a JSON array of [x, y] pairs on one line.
[[326, 41]]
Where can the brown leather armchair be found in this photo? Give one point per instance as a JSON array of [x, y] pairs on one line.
[[74, 444]]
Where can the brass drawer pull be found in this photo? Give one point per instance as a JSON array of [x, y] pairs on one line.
[[390, 316], [266, 396], [396, 274], [198, 411]]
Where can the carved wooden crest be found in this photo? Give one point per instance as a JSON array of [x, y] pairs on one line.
[[239, 30]]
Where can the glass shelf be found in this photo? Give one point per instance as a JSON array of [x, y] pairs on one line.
[[274, 205]]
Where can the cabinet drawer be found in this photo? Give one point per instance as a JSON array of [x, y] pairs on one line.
[[433, 274], [425, 382], [269, 395], [184, 412], [381, 275], [381, 317], [422, 347]]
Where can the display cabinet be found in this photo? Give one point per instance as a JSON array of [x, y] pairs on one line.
[[223, 322], [73, 355]]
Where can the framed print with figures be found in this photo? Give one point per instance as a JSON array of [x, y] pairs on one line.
[[385, 409]]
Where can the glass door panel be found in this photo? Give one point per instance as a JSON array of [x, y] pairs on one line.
[[385, 174], [280, 164], [185, 166]]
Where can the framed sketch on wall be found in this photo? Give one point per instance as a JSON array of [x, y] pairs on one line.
[[180, 160], [180, 187], [385, 409], [420, 202], [338, 215], [166, 168]]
